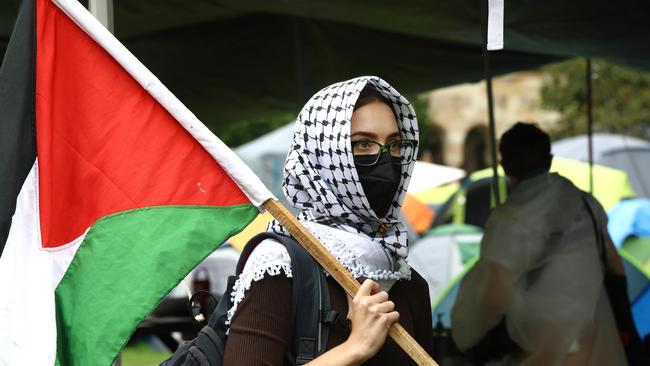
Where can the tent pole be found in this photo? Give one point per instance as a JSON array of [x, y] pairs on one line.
[[103, 11], [490, 101], [492, 128], [590, 125]]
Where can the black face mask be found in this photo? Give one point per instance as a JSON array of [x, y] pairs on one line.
[[380, 182]]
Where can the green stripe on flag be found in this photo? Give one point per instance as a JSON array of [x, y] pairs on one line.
[[126, 264]]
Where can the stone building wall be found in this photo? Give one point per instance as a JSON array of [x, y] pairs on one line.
[[458, 108]]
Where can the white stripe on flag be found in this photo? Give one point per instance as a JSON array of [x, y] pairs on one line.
[[28, 277]]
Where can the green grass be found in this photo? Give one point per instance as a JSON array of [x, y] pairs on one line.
[[141, 354]]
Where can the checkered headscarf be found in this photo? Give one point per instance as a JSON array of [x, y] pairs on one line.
[[320, 177]]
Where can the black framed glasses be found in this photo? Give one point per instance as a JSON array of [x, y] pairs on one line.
[[367, 153]]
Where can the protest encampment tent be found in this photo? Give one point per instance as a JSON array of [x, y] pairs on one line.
[[471, 202], [629, 218], [440, 256], [621, 152]]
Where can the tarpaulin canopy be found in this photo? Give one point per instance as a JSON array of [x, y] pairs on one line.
[[230, 60]]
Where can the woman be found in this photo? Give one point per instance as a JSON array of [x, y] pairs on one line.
[[353, 152]]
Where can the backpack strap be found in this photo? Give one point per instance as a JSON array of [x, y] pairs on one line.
[[310, 298], [616, 288], [600, 239]]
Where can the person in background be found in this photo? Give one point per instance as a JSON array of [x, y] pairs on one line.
[[536, 294]]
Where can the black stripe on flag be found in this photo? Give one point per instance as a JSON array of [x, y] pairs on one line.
[[17, 115]]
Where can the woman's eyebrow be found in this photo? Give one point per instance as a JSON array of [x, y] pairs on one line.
[[395, 134], [366, 134]]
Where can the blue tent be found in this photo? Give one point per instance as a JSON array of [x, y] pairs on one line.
[[627, 218]]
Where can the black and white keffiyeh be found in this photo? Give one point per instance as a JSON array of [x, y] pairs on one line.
[[320, 180], [319, 176]]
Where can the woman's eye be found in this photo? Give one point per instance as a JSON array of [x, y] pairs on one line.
[[364, 147]]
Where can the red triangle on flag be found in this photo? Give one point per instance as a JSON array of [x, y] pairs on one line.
[[105, 145]]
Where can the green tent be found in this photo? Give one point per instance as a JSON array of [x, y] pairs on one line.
[[610, 185], [471, 202], [639, 249], [230, 60]]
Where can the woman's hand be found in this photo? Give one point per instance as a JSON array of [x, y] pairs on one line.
[[371, 315]]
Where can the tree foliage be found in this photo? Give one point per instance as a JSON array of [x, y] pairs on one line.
[[621, 98], [431, 146], [240, 132]]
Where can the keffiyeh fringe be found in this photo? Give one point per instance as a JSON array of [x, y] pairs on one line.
[[269, 258], [352, 257]]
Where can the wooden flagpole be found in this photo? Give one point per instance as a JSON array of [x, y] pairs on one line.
[[341, 275]]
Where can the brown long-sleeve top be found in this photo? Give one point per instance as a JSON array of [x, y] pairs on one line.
[[260, 331]]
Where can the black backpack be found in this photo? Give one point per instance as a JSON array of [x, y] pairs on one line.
[[311, 313]]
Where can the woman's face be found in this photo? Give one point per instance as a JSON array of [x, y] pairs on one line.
[[374, 121]]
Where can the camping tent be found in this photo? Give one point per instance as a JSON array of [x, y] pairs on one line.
[[629, 218], [441, 255], [622, 152], [471, 203], [576, 148], [428, 175], [232, 60]]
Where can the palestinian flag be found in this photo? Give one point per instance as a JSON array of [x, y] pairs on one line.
[[112, 190]]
